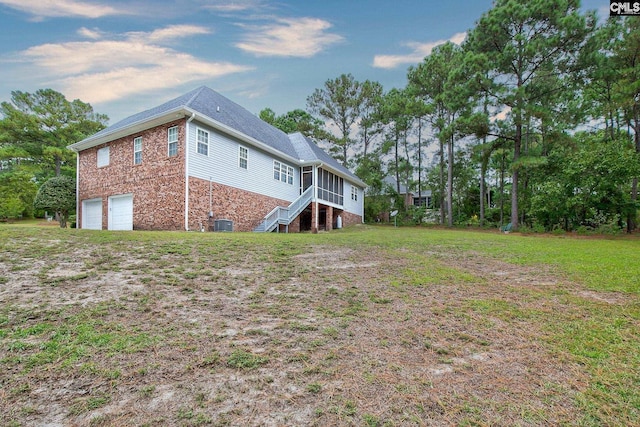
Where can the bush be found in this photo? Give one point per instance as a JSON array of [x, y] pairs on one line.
[[58, 195]]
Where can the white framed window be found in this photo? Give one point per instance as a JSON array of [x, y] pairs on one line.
[[103, 157], [282, 172], [289, 175], [203, 142], [276, 170], [137, 150], [354, 193], [243, 157], [172, 141]]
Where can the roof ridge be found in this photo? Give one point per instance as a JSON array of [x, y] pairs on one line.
[[197, 93]]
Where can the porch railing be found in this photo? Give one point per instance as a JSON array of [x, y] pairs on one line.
[[285, 215]]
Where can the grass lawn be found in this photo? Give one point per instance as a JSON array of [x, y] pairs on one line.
[[367, 326]]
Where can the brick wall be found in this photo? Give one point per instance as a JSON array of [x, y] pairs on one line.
[[244, 208], [157, 183], [349, 218]]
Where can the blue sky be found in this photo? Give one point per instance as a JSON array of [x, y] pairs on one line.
[[127, 56]]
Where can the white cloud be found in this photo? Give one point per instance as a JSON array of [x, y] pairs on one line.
[[110, 69], [419, 51], [235, 6], [171, 32], [292, 37], [88, 33], [62, 8]]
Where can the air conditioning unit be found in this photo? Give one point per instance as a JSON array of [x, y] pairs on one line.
[[223, 225]]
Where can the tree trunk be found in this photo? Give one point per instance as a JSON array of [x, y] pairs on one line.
[[450, 182], [442, 189]]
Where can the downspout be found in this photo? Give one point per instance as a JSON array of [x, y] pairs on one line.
[[78, 189], [186, 173], [315, 195]]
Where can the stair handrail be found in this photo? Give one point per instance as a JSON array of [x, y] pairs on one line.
[[285, 215], [300, 203]]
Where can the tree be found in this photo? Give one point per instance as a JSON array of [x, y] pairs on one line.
[[58, 194], [627, 89], [17, 192], [295, 121], [339, 102], [38, 127], [370, 125], [395, 113], [441, 80], [518, 44]]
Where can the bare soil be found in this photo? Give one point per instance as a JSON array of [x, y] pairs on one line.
[[337, 335]]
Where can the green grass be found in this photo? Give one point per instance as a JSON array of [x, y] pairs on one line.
[[601, 339]]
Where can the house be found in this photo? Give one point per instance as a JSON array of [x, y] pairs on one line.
[[202, 162], [408, 197]]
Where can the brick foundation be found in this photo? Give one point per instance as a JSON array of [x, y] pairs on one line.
[[244, 208]]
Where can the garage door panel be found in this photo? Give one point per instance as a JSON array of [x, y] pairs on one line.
[[92, 214], [121, 212]]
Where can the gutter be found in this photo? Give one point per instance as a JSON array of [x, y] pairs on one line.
[[186, 172], [77, 185]]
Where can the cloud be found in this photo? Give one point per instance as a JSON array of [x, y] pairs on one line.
[[88, 33], [234, 6], [419, 51], [62, 8], [105, 69], [289, 37], [172, 32]]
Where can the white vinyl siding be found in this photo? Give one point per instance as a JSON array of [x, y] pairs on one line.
[[172, 141], [222, 166], [137, 150], [355, 203], [203, 142], [103, 157]]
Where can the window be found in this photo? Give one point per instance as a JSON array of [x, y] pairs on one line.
[[330, 187], [282, 172], [172, 138], [137, 150], [276, 170], [243, 157], [354, 193], [203, 142], [103, 157]]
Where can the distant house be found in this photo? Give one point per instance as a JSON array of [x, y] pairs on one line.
[[410, 197], [202, 162]]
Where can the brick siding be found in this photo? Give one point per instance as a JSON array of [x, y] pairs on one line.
[[244, 208], [157, 183]]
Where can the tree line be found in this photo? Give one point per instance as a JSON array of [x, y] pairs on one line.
[[534, 120]]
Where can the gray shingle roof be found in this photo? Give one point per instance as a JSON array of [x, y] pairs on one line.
[[308, 151], [213, 105]]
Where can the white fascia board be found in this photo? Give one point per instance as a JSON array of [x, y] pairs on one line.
[[136, 127]]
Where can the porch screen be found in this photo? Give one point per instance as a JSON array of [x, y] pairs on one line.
[[330, 187]]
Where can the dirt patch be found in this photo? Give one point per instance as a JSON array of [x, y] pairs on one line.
[[328, 337]]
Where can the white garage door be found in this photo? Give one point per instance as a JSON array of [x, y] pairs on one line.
[[92, 214], [121, 212]]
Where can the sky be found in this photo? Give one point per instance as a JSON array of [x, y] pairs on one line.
[[124, 57]]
